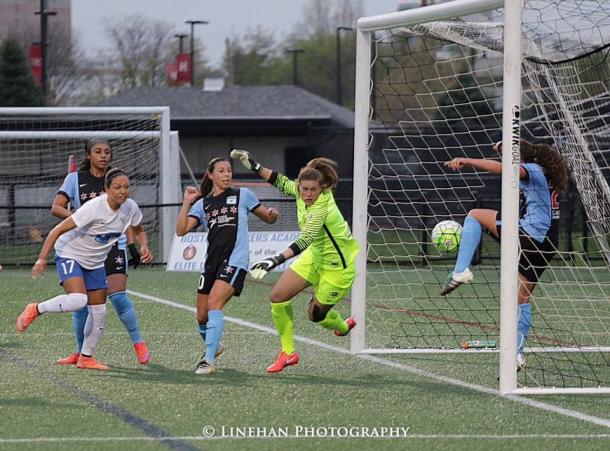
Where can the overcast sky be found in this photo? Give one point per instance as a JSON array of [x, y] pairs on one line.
[[226, 17]]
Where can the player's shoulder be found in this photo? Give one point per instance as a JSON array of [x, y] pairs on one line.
[[324, 199], [243, 191], [534, 171], [130, 205]]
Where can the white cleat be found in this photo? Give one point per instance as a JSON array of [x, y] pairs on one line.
[[455, 279], [520, 362], [204, 367]]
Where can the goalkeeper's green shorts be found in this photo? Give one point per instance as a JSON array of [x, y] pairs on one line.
[[330, 285]]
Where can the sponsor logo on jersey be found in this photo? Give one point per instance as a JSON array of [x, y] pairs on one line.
[[231, 200], [106, 237]]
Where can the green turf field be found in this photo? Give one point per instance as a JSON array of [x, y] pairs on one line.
[[445, 401]]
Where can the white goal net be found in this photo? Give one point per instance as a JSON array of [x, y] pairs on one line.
[[35, 147], [430, 89]]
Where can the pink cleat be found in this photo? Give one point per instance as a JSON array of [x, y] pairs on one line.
[[351, 323], [29, 314], [142, 353], [283, 360]]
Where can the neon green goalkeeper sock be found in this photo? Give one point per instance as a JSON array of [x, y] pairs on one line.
[[333, 321], [283, 319]]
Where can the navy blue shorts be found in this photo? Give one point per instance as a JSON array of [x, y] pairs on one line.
[[232, 275]]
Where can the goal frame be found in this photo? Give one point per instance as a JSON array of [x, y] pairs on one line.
[[169, 153], [511, 124]]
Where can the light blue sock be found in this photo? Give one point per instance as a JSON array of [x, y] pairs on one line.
[[127, 315], [523, 325], [202, 329], [79, 318], [216, 324], [471, 237]]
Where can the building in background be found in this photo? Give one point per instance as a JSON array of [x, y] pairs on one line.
[[18, 18]]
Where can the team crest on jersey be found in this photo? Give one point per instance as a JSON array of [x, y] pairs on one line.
[[231, 200]]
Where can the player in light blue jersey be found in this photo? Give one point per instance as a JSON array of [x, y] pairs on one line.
[[224, 212], [542, 175], [78, 189]]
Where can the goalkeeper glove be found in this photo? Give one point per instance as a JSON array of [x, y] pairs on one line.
[[246, 159], [134, 261], [261, 268]]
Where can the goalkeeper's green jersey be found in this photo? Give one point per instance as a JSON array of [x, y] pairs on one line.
[[323, 228]]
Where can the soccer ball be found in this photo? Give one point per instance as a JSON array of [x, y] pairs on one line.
[[446, 236]]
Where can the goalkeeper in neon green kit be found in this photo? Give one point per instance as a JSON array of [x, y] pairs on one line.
[[327, 252]]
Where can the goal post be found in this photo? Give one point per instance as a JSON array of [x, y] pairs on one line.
[[36, 143], [449, 80]]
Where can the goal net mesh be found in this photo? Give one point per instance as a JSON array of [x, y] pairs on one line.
[[436, 94], [36, 149]]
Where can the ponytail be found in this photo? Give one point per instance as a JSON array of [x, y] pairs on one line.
[[550, 160], [327, 168]]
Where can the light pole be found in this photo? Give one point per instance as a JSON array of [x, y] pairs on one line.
[[181, 36], [44, 14], [295, 64], [192, 23], [338, 44]]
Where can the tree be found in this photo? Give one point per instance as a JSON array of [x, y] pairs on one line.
[[67, 69], [141, 49], [254, 59], [17, 87], [320, 18]]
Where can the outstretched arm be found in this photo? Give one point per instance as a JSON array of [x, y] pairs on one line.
[[491, 166], [57, 231], [278, 180], [480, 164]]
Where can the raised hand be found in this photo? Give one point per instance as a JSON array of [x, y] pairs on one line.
[[191, 193], [245, 159]]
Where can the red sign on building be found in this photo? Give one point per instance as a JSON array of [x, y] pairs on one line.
[[183, 61], [36, 62], [172, 74]]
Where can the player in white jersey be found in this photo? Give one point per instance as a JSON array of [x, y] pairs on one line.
[[77, 189], [82, 242]]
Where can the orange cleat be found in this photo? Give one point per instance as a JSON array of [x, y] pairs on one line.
[[89, 363], [29, 314], [72, 359], [142, 353], [283, 360], [351, 323]]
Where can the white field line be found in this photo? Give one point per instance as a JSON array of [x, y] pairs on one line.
[[227, 437], [400, 366]]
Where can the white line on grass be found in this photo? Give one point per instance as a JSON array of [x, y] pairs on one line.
[[227, 437], [400, 366]]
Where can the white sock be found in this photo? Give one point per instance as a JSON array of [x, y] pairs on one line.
[[63, 303], [94, 328]]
